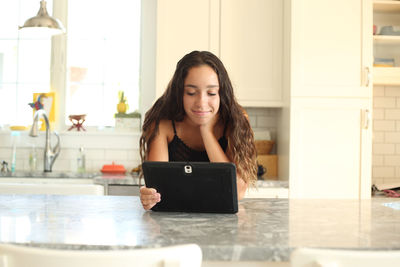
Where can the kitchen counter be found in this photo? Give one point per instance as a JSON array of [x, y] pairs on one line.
[[263, 229], [115, 179]]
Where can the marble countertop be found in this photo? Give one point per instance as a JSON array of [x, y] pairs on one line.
[[115, 179], [262, 230]]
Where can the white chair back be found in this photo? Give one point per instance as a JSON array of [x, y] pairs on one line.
[[174, 256], [313, 257]]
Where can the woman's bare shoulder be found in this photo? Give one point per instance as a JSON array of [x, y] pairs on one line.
[[166, 129]]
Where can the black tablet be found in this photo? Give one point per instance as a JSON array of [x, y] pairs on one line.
[[193, 186]]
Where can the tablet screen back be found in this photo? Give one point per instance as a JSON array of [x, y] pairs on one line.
[[193, 186]]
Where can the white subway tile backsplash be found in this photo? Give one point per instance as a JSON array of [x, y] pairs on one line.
[[390, 180], [383, 149], [383, 172], [392, 137], [115, 155], [392, 114], [378, 137], [378, 180], [384, 102], [264, 121], [386, 132], [392, 160], [392, 91], [5, 153], [100, 148], [379, 91], [95, 153], [133, 154], [384, 125], [253, 121], [377, 160], [378, 114]]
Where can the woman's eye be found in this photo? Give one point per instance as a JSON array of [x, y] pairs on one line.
[[212, 94], [190, 93]]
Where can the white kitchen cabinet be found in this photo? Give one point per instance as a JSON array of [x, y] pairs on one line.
[[330, 48], [251, 41], [330, 99], [330, 151], [183, 26], [245, 34]]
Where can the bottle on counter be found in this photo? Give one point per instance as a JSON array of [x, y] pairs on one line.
[[81, 160], [33, 159], [15, 136]]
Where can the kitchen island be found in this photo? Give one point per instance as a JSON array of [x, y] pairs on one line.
[[264, 230]]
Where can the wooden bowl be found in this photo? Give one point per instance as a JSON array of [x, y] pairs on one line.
[[264, 147]]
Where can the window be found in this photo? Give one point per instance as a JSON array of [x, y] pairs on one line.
[[102, 57], [24, 62]]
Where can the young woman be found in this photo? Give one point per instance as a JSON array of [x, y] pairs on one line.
[[198, 119]]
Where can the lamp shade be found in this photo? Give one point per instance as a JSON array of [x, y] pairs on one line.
[[44, 21]]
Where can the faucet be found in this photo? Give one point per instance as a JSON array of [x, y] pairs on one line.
[[50, 154], [4, 167]]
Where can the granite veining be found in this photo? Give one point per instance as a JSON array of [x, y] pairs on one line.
[[262, 230]]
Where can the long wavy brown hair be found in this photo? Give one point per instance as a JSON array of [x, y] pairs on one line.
[[169, 106]]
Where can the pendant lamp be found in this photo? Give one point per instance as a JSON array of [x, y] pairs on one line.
[[43, 22]]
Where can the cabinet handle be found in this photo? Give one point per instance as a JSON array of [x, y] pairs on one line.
[[367, 118], [368, 76]]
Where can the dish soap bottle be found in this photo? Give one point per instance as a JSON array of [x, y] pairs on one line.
[[81, 161], [33, 159]]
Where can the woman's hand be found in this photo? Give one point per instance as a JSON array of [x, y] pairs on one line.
[[208, 127], [149, 197]]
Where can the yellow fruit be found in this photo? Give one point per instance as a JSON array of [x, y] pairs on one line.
[[121, 107]]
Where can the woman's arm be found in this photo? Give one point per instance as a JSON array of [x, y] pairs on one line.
[[216, 154], [158, 148], [157, 151]]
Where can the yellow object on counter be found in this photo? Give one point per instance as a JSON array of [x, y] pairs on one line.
[[18, 128]]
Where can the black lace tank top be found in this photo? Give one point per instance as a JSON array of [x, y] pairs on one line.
[[179, 151]]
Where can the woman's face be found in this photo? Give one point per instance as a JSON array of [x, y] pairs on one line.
[[201, 94]]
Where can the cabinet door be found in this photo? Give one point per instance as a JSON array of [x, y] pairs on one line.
[[183, 26], [251, 49], [330, 148], [331, 50]]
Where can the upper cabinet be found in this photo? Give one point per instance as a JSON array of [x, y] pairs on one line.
[[182, 26], [331, 54], [386, 42], [245, 34], [251, 41]]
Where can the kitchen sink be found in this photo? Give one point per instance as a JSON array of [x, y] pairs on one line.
[[54, 183]]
